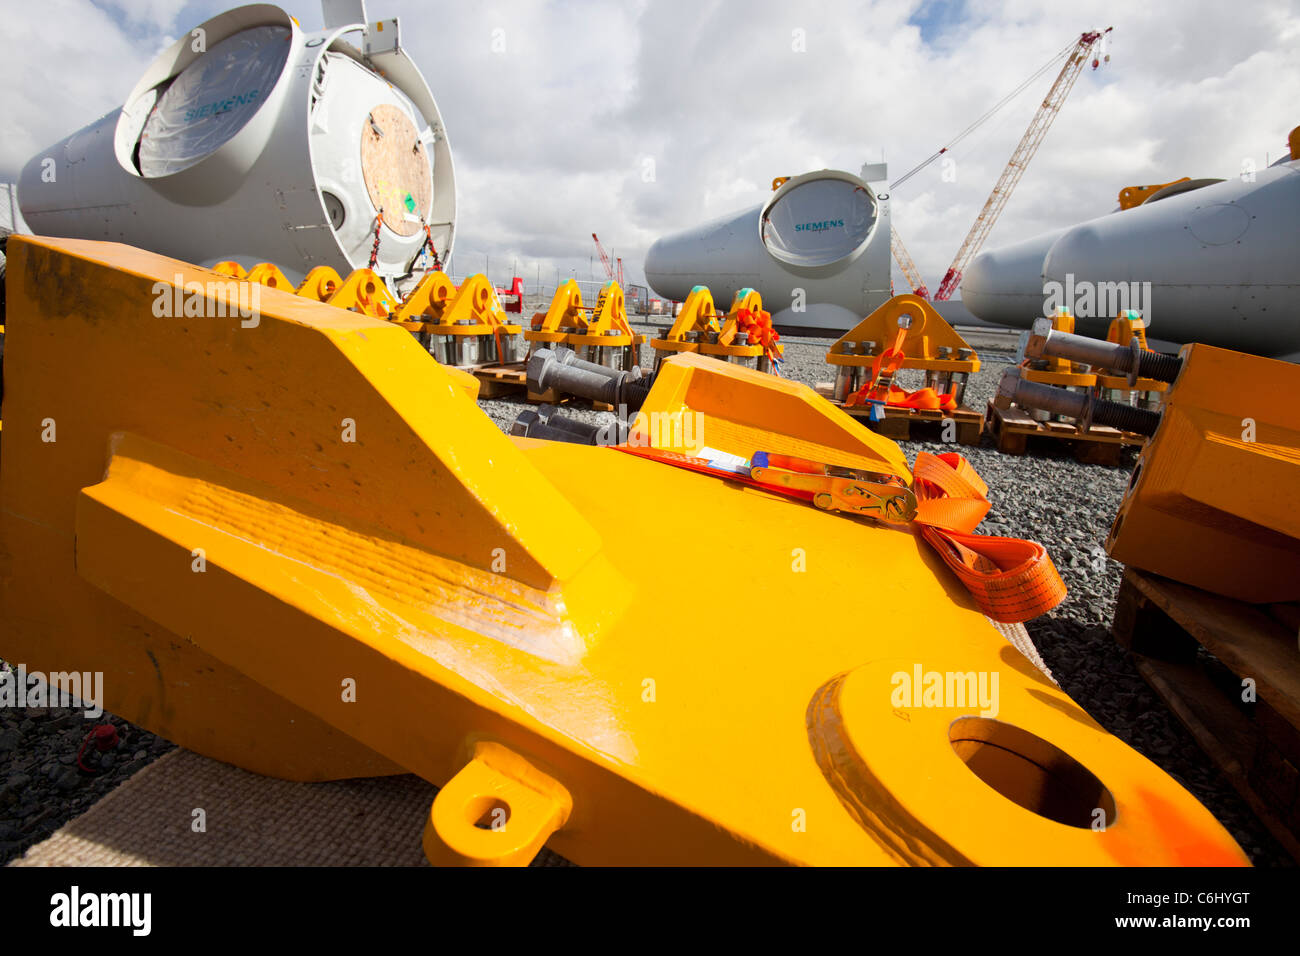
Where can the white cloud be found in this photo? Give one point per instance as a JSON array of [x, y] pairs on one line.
[[551, 132]]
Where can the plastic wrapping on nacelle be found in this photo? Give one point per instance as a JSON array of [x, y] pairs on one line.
[[265, 144], [817, 251], [1216, 264]]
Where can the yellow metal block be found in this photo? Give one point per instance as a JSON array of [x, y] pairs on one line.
[[1211, 500], [300, 548]]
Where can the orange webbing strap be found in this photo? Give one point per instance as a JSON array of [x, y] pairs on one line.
[[881, 388], [1011, 580]]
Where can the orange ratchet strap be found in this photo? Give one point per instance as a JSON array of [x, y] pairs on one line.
[[880, 387], [1012, 580]]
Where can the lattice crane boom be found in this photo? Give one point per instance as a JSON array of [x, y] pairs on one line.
[[1015, 167], [905, 263], [604, 257]]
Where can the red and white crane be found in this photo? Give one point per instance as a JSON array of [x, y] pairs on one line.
[[610, 271], [1090, 45]]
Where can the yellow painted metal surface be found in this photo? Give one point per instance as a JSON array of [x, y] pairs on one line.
[[928, 333], [300, 548], [1211, 501]]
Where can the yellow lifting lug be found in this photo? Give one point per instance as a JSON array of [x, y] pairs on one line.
[[319, 284], [230, 268], [269, 275], [779, 181], [731, 344], [931, 344], [364, 292], [498, 810], [1131, 196], [604, 335], [424, 307], [565, 315], [473, 329], [693, 325]]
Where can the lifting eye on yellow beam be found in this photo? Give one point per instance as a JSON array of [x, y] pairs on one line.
[[269, 275], [426, 303], [1131, 196], [363, 291], [931, 344], [693, 325], [321, 283], [779, 182], [230, 268]]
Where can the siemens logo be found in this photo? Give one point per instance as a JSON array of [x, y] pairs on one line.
[[222, 106], [819, 226]]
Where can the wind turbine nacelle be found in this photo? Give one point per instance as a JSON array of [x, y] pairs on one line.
[[249, 139], [1216, 262], [817, 252]]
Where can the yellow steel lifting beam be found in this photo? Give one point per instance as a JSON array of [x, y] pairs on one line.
[[297, 547]]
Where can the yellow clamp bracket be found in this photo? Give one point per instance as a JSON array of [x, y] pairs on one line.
[[321, 283], [499, 810], [474, 310], [426, 303], [363, 291], [697, 318], [607, 325], [565, 312], [731, 340], [931, 343]]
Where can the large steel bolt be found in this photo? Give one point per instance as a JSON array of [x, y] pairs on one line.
[[1044, 341], [562, 370], [1083, 407], [547, 422]]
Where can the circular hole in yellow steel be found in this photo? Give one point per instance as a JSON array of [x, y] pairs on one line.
[[1031, 772]]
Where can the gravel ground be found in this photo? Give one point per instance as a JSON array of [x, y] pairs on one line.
[[41, 787]]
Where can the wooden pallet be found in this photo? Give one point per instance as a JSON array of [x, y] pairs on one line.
[[1012, 429], [496, 381], [904, 424], [1256, 744]]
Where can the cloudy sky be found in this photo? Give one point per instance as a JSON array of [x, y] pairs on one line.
[[556, 111]]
